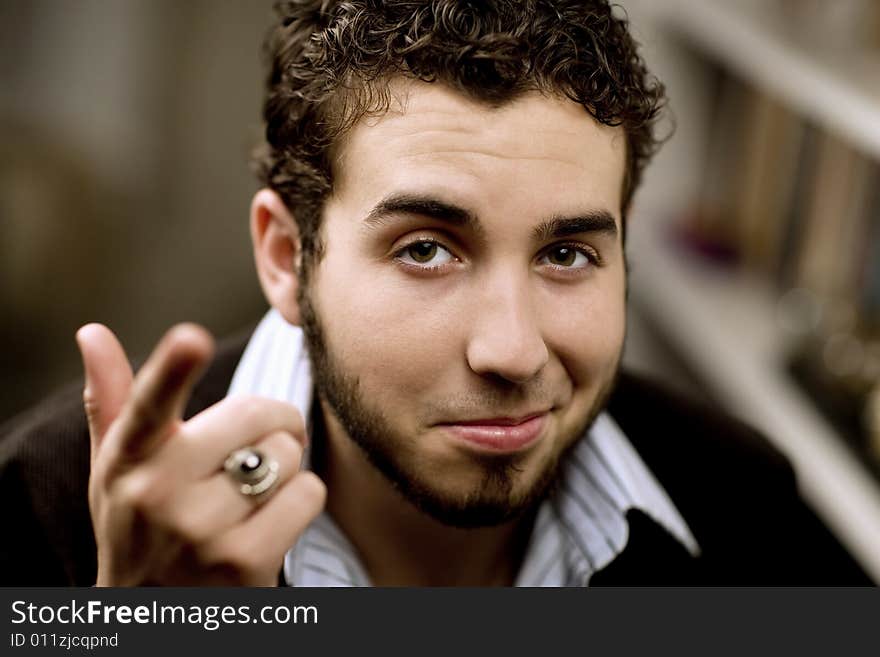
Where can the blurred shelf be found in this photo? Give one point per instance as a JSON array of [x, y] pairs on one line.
[[724, 325], [838, 89]]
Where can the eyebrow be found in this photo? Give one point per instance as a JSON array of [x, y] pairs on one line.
[[425, 206], [594, 221]]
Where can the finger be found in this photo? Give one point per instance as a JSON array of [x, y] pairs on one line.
[[108, 378], [209, 437], [260, 542], [279, 522], [212, 505], [161, 389]]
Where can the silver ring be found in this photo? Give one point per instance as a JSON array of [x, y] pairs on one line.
[[252, 470]]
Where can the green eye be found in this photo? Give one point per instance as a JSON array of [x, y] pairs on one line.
[[422, 252], [425, 254], [567, 257], [563, 256]]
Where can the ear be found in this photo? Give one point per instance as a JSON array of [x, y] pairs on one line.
[[277, 252]]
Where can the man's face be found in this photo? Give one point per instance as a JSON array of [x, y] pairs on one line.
[[467, 318]]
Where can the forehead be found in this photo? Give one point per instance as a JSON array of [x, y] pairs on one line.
[[537, 154]]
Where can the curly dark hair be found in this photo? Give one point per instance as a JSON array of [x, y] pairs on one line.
[[328, 60]]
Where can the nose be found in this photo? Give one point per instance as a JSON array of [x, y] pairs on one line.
[[505, 339]]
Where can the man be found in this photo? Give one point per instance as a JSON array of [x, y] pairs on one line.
[[444, 210]]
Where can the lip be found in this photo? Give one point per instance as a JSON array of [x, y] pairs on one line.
[[499, 435]]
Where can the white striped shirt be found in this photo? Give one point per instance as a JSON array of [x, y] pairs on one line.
[[579, 529]]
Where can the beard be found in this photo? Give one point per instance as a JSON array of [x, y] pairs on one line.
[[496, 499]]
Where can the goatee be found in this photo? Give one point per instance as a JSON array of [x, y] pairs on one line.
[[496, 500]]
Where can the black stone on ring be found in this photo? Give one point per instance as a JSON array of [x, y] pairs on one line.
[[251, 470]]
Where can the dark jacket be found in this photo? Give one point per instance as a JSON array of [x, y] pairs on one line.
[[737, 494]]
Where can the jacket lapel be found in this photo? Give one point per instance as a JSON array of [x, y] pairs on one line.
[[652, 557]]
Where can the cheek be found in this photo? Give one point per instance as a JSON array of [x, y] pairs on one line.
[[587, 331], [389, 334]]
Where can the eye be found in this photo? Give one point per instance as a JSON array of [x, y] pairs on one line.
[[565, 256], [424, 253]]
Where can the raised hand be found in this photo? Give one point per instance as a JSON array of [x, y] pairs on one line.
[[163, 509]]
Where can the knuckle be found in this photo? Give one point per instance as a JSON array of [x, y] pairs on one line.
[[269, 414], [249, 409], [311, 488], [128, 491], [90, 403], [191, 532], [190, 527], [241, 557], [286, 449], [140, 491], [294, 418]]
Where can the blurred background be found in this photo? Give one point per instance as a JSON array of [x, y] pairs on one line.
[[125, 128]]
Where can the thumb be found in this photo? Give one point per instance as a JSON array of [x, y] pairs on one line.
[[108, 379]]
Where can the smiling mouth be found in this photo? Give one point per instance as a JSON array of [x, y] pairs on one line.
[[499, 435]]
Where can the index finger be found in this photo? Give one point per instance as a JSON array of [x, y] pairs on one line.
[[161, 389]]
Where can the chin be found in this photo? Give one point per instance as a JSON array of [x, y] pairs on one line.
[[502, 490]]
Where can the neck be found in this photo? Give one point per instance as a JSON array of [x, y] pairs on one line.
[[399, 544]]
